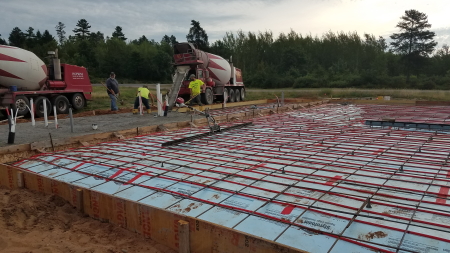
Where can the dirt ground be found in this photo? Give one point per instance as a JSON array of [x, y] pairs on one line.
[[32, 222]]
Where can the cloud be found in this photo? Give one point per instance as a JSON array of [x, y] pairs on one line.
[[154, 18], [442, 36]]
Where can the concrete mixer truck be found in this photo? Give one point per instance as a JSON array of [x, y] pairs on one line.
[[23, 76], [222, 79]]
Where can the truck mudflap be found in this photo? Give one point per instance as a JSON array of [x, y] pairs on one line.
[[6, 99]]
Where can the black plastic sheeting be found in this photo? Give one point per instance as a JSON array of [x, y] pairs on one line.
[[428, 126]]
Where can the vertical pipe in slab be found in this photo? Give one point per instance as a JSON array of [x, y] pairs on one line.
[[71, 120], [225, 97], [158, 97], [161, 112], [45, 113], [9, 117], [33, 122], [12, 131], [282, 98], [166, 106], [56, 116], [140, 103]]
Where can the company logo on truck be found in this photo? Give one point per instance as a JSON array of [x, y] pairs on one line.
[[77, 75]]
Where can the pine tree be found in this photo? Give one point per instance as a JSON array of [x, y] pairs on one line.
[[82, 30], [172, 40], [17, 38], [2, 41], [30, 40], [415, 41], [46, 37], [97, 37], [118, 33], [60, 32], [198, 36]]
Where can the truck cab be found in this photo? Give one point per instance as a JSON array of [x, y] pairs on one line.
[[59, 85]]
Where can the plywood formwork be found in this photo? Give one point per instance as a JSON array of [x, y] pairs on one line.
[[315, 180]]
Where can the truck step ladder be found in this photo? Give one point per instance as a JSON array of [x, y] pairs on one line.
[[178, 78]]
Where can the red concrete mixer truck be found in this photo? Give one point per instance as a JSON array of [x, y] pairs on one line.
[[23, 76], [222, 79]]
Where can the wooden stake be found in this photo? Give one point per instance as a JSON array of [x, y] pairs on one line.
[[183, 235], [20, 181], [80, 202]]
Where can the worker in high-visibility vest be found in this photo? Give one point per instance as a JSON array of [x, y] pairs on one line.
[[195, 85], [144, 92]]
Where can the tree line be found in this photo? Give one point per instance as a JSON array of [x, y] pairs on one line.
[[336, 59]]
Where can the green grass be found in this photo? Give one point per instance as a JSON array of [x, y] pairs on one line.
[[100, 99], [433, 95]]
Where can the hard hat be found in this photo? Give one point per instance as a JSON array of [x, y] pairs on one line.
[[191, 76], [179, 100]]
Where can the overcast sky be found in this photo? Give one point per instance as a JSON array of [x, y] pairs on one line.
[[154, 18]]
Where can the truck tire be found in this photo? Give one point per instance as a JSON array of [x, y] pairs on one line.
[[208, 97], [226, 95], [61, 103], [78, 101], [242, 94], [231, 95], [39, 106], [237, 95], [21, 105]]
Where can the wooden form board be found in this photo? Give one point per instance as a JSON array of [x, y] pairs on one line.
[[157, 224], [209, 237]]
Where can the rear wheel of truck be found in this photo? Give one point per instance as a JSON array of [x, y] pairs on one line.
[[39, 106], [61, 103], [78, 101], [237, 95], [231, 95], [208, 97], [242, 94], [21, 105], [226, 97]]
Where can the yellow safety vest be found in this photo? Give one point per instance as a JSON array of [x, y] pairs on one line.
[[144, 92]]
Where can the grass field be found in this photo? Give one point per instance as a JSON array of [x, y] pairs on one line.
[[100, 99]]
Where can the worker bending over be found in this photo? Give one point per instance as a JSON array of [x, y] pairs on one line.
[[144, 92], [195, 86]]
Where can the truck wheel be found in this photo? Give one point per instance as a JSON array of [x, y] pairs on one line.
[[231, 95], [208, 97], [20, 105], [237, 95], [226, 95], [61, 103], [78, 101], [242, 94], [39, 106]]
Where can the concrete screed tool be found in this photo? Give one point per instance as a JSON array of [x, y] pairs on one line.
[[213, 126]]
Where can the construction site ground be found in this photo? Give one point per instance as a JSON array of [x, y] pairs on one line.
[[35, 222], [295, 171], [106, 120]]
